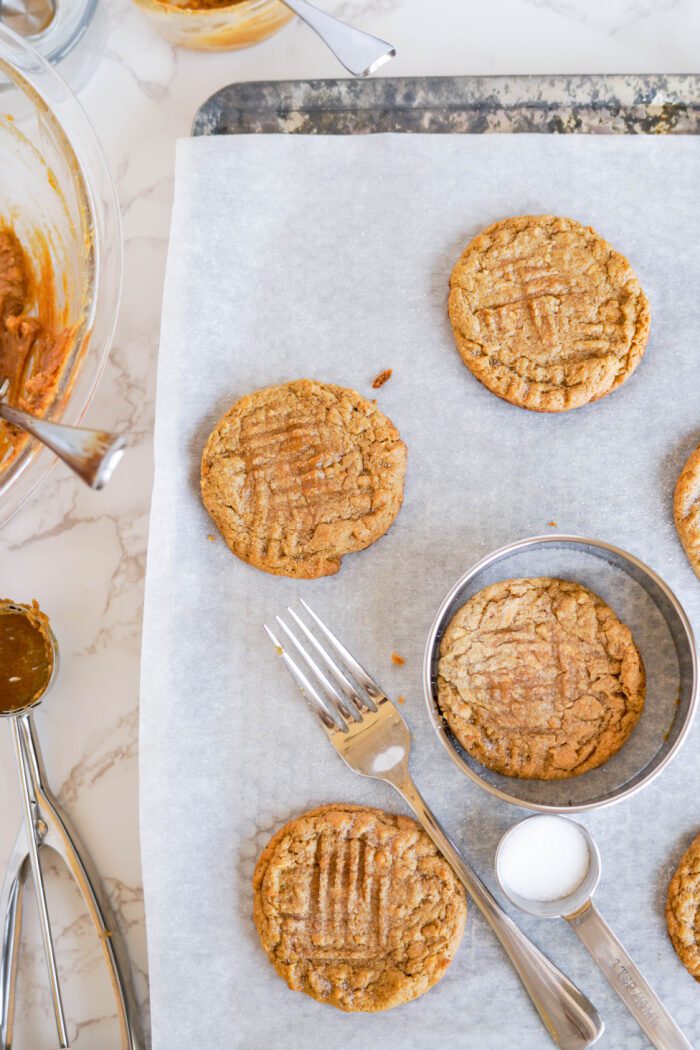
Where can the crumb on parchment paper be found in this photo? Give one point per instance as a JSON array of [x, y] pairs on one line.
[[401, 699], [552, 524], [211, 537], [397, 659], [382, 378]]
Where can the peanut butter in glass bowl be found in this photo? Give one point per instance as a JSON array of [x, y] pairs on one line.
[[60, 259], [36, 337], [212, 25]]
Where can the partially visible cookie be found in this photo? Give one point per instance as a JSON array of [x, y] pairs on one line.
[[537, 678], [686, 509], [357, 908], [546, 314], [298, 475], [683, 909]]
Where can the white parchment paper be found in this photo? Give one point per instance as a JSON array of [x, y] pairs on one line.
[[329, 258]]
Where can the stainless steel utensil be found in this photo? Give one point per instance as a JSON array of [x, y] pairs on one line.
[[671, 699], [360, 53], [91, 454], [625, 978], [44, 827], [372, 738], [27, 17]]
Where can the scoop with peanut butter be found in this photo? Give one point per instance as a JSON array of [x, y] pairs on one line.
[[27, 657]]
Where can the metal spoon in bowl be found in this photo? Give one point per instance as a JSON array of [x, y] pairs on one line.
[[360, 53], [91, 454]]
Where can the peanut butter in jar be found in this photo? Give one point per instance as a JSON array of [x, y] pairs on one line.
[[216, 25]]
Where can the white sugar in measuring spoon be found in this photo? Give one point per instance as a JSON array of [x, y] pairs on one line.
[[544, 859], [550, 866]]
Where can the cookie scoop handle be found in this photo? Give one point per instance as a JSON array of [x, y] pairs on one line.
[[570, 1018], [626, 979]]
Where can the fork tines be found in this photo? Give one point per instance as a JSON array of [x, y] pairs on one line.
[[338, 696]]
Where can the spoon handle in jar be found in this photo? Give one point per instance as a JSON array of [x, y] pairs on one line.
[[360, 53], [627, 980]]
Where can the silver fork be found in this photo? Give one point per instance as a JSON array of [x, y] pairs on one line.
[[372, 738]]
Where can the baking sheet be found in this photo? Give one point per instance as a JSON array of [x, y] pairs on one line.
[[329, 257], [666, 104]]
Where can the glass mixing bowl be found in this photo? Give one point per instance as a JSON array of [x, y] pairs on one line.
[[57, 194]]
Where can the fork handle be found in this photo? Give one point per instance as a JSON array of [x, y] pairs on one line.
[[571, 1020]]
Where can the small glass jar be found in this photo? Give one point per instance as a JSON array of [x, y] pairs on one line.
[[74, 39], [216, 28]]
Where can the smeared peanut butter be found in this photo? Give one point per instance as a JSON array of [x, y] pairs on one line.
[[201, 5], [26, 655], [34, 344]]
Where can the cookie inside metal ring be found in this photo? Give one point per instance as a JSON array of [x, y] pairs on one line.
[[539, 679]]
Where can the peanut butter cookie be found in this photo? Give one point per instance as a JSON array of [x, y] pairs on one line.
[[683, 909], [357, 908], [538, 679], [547, 314], [296, 476], [686, 509]]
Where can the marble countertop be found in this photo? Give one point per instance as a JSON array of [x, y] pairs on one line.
[[82, 555]]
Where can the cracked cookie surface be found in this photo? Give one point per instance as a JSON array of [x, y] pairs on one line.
[[357, 908], [298, 475], [546, 314], [537, 678], [686, 509], [683, 909]]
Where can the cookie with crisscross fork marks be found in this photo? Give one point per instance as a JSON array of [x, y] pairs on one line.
[[539, 679], [357, 908], [683, 909], [546, 313], [686, 509], [298, 475]]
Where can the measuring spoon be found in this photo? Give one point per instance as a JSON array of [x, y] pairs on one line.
[[622, 973]]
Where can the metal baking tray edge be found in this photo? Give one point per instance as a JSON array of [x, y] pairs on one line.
[[618, 104]]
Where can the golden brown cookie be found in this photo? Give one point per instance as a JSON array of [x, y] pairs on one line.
[[296, 476], [546, 313], [686, 509], [357, 908], [683, 909], [537, 678]]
